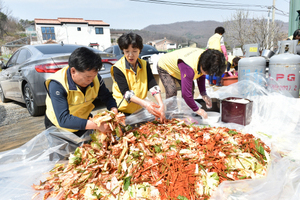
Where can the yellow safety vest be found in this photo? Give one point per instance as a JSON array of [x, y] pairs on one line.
[[230, 60], [138, 83], [80, 105], [189, 56], [214, 42]]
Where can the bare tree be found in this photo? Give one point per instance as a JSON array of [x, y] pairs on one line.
[[241, 30], [237, 33], [3, 20], [278, 34], [266, 37], [259, 35], [9, 25]]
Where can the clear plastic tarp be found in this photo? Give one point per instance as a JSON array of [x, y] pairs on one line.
[[275, 119]]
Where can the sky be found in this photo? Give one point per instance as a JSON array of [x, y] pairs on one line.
[[138, 14]]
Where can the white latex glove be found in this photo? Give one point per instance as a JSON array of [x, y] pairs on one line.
[[202, 113], [207, 100]]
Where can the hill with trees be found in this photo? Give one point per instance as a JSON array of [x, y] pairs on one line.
[[254, 31], [195, 31]]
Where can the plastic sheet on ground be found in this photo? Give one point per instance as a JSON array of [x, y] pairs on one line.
[[175, 107], [275, 119], [22, 167]]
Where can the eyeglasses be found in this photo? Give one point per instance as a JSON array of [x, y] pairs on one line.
[[127, 53]]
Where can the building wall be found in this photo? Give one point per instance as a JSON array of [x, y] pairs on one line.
[[68, 34], [184, 45], [163, 45], [114, 38], [171, 46]]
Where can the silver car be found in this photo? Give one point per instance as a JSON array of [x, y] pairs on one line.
[[22, 78]]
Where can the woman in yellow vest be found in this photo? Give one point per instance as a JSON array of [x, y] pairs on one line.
[[186, 65], [233, 64], [133, 78], [216, 41], [72, 90]]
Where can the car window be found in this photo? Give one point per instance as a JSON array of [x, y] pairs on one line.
[[23, 55], [118, 50], [57, 49], [147, 49], [109, 50], [54, 49], [95, 50], [13, 59], [47, 49]]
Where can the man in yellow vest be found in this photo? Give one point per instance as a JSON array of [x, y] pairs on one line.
[[133, 78], [72, 90], [216, 42]]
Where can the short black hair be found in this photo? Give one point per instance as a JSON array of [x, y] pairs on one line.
[[85, 59], [296, 33], [212, 62], [130, 39], [236, 60], [220, 30]]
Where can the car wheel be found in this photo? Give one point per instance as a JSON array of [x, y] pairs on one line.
[[31, 106], [3, 99]]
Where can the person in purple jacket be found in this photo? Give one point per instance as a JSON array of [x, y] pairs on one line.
[[186, 65]]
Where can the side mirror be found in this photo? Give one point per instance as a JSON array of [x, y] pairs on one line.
[[2, 65]]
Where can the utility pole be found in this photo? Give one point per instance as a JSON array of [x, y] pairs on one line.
[[268, 27], [273, 24]]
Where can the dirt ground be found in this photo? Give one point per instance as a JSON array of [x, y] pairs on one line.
[[17, 126]]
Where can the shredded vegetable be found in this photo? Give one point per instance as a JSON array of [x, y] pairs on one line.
[[158, 161]]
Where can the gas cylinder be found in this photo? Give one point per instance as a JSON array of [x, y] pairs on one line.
[[284, 68], [256, 65]]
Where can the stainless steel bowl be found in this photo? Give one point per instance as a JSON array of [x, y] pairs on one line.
[[267, 53]]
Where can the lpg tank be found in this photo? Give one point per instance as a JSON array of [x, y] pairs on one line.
[[284, 68], [248, 65]]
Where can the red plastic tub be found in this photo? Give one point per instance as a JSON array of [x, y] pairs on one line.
[[229, 80]]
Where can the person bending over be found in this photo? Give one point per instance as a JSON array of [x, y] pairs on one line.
[[186, 65], [72, 90]]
